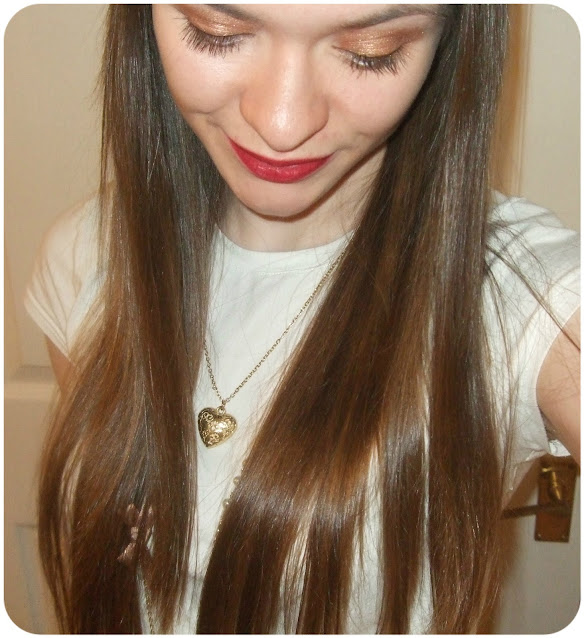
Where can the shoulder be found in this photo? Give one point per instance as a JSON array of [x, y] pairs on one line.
[[65, 276], [72, 239], [531, 291], [533, 257], [519, 227]]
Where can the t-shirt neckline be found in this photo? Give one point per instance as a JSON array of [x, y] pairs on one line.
[[277, 261]]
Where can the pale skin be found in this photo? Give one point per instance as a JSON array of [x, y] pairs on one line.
[[294, 85], [317, 96], [558, 386]]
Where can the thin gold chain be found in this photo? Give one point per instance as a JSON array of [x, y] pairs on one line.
[[297, 316], [276, 343]]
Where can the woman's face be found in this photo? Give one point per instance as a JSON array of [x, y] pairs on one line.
[[295, 102]]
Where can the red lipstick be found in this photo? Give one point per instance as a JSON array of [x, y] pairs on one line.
[[281, 171]]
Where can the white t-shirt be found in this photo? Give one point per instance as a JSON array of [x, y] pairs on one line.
[[254, 296]]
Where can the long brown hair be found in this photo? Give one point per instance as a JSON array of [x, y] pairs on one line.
[[395, 398]]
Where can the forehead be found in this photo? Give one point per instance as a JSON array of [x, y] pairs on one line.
[[322, 17]]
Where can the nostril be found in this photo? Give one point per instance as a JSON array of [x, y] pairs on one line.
[[286, 107], [285, 125]]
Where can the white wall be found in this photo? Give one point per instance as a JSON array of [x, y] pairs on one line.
[[550, 158], [51, 138]]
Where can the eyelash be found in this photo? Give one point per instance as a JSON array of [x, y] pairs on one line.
[[390, 63], [220, 45], [200, 40], [379, 65]]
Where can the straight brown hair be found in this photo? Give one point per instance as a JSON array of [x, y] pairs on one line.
[[389, 386]]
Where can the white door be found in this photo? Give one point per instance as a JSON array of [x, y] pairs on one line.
[[51, 150]]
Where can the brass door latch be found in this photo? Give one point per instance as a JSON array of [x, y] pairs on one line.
[[553, 512]]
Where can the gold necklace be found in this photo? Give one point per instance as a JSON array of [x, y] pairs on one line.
[[215, 424]]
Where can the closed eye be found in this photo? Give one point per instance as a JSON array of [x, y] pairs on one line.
[[199, 40], [219, 45], [390, 63]]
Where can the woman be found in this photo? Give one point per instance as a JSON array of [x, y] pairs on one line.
[[297, 367]]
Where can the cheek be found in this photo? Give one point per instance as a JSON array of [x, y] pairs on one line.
[[195, 85], [197, 82]]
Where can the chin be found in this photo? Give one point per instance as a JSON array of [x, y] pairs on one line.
[[279, 206]]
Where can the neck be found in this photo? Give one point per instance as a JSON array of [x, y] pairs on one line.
[[264, 234], [288, 229]]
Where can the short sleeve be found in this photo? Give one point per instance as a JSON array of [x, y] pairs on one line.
[[533, 289], [65, 280]]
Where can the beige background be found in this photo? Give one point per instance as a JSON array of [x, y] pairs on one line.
[[51, 149]]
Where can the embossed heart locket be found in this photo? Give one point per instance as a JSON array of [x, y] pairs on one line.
[[215, 425]]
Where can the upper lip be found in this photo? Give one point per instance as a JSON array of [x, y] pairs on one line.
[[276, 162]]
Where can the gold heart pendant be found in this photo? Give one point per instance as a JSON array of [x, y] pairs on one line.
[[215, 425]]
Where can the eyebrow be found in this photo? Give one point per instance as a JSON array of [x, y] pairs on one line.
[[397, 11], [391, 13], [233, 11]]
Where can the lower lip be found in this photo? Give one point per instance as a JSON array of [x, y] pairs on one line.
[[280, 172]]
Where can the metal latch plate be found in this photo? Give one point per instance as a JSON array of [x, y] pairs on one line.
[[556, 486]]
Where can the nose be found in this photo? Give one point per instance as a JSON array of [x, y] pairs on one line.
[[283, 101]]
